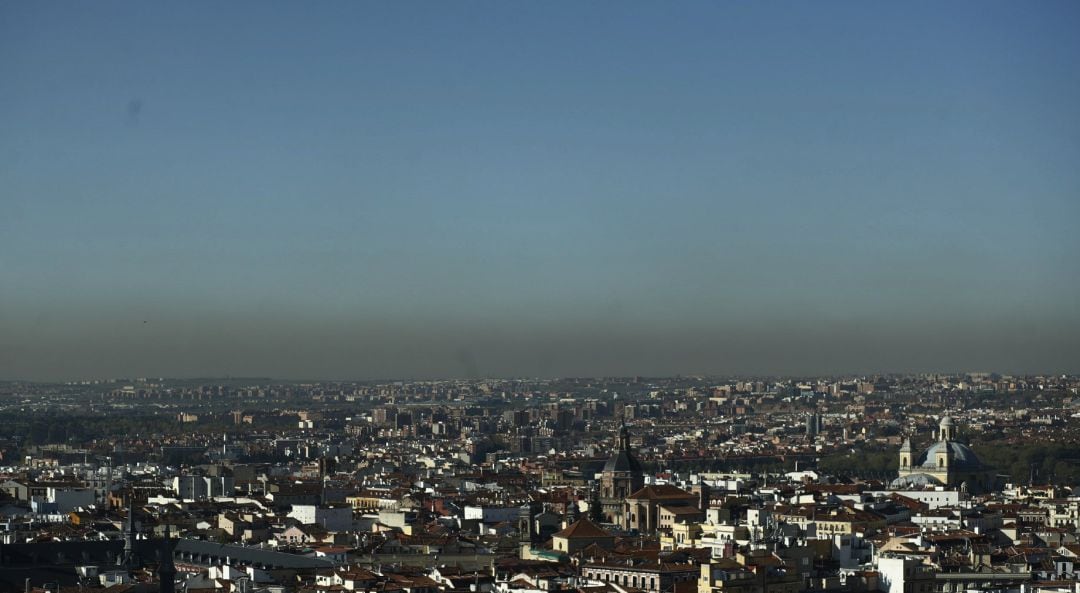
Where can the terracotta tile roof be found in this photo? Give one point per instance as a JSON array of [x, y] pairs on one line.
[[660, 492], [582, 528], [681, 510]]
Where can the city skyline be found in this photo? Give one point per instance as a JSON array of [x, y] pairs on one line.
[[358, 191]]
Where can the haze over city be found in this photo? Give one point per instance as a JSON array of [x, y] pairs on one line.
[[372, 190]]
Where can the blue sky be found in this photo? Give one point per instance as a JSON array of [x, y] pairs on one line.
[[356, 190]]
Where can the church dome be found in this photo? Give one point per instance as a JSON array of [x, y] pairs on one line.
[[914, 481], [622, 461], [962, 457]]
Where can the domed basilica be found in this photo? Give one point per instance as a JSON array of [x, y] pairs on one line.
[[947, 463], [622, 475]]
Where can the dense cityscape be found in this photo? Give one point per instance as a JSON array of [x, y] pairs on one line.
[[895, 483], [480, 296]]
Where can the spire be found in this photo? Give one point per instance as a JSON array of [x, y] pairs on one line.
[[108, 486], [166, 568], [906, 447], [129, 560]]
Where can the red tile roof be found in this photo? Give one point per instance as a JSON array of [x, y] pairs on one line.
[[582, 528]]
